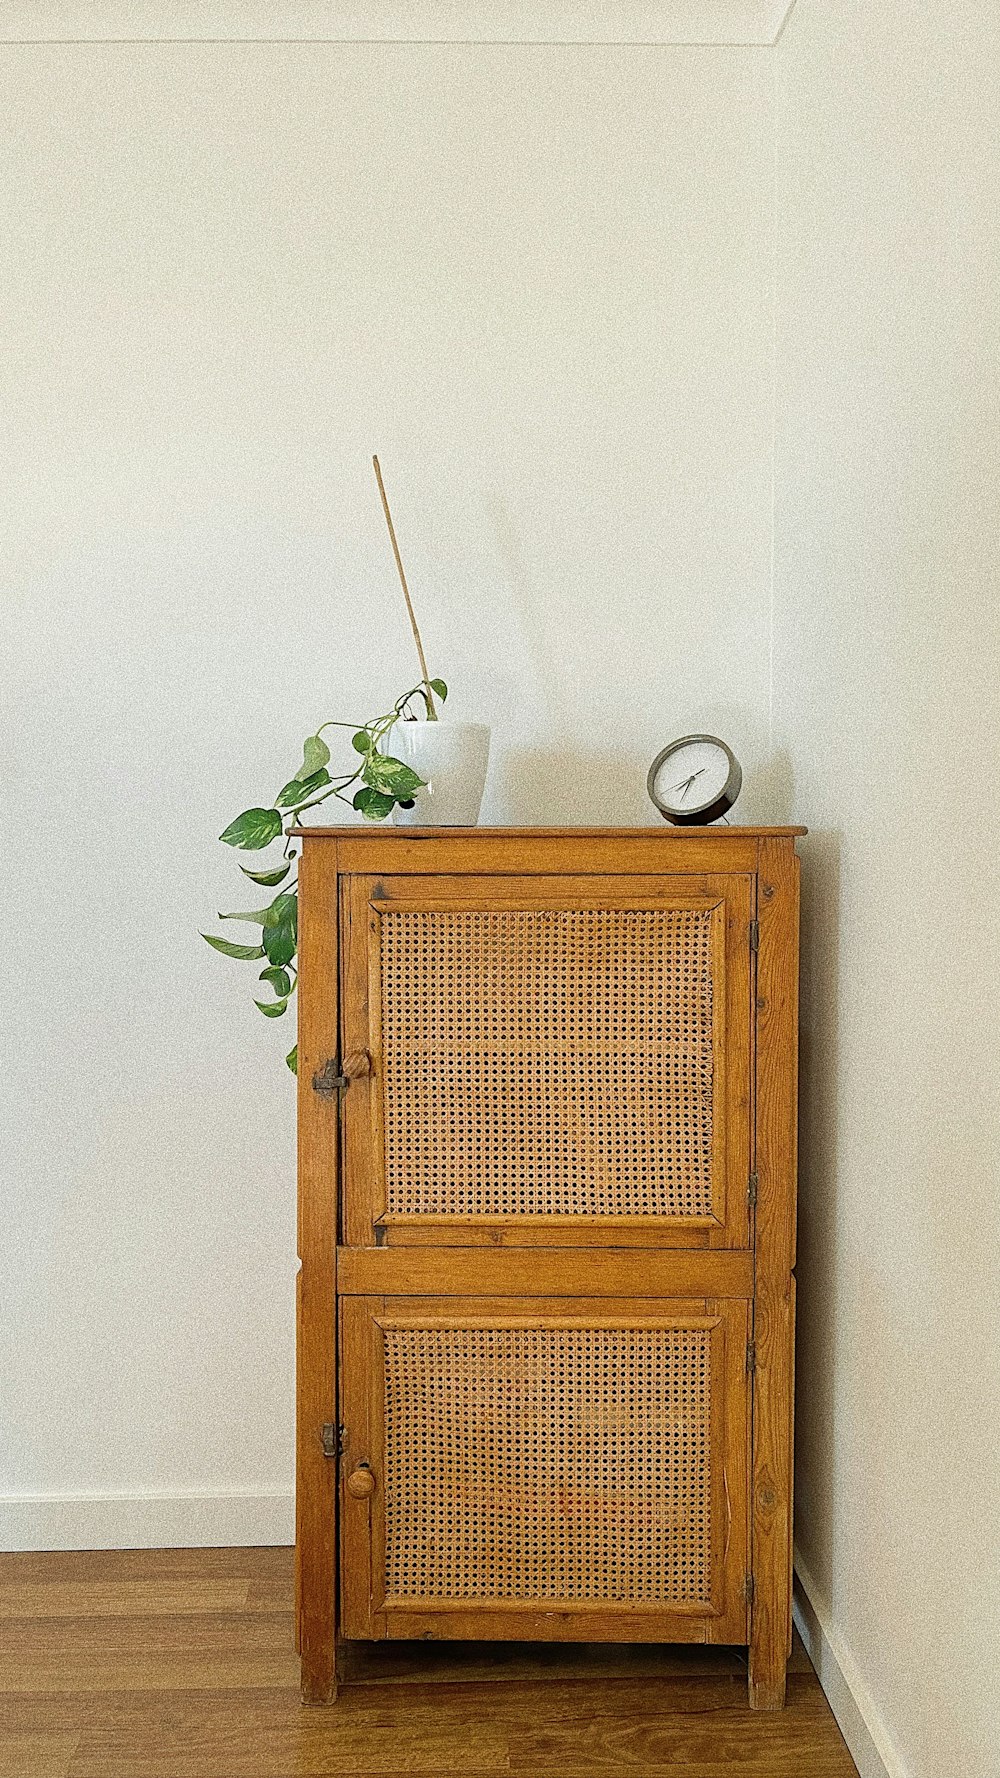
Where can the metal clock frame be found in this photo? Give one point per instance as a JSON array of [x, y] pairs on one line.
[[708, 812]]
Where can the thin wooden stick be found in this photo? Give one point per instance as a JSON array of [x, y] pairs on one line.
[[428, 694]]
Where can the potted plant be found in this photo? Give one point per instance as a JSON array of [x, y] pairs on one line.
[[438, 781]]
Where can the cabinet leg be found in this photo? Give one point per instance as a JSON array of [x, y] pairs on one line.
[[322, 1671], [771, 1525], [319, 1691], [322, 1692], [767, 1681]]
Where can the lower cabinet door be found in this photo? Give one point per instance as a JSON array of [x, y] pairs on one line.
[[527, 1468]]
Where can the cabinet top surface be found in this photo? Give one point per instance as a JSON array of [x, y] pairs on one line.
[[374, 831]]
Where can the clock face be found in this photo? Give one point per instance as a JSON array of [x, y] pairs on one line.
[[694, 780]]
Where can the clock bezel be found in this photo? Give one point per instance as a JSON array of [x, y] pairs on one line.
[[709, 812]]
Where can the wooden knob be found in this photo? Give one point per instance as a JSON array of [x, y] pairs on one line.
[[356, 1063], [361, 1482]]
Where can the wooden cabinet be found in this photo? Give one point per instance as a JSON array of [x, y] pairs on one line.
[[546, 1229]]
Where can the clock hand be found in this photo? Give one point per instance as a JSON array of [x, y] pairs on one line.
[[686, 783]]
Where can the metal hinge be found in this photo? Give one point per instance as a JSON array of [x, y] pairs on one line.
[[332, 1439], [748, 1588], [755, 935], [752, 1191], [751, 1357]]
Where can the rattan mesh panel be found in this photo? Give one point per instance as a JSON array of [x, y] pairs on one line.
[[551, 1464], [544, 1062]]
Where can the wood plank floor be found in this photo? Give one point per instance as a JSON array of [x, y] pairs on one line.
[[179, 1664]]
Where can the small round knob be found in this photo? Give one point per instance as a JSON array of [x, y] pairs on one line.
[[356, 1063], [361, 1482]]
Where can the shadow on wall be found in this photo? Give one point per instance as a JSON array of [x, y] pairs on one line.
[[566, 786], [817, 1258], [572, 786], [769, 790]]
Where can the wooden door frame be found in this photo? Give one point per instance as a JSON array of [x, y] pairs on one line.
[[776, 1124], [366, 1612], [316, 1527], [364, 899]]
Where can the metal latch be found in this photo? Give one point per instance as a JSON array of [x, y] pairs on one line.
[[332, 1078], [332, 1439], [328, 1080]]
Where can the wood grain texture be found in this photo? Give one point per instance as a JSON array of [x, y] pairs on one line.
[[361, 1405], [606, 1272], [316, 1358], [434, 1709], [549, 1231], [774, 1241], [360, 1023], [530, 852], [31, 1755], [149, 1568], [138, 1653], [152, 1597], [748, 873]]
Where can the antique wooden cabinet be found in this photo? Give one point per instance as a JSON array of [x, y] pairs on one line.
[[547, 1101]]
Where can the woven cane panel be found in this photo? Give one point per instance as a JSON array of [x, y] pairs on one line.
[[548, 1062], [548, 1464]]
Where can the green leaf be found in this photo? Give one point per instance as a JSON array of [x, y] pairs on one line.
[[315, 754], [279, 943], [280, 934], [390, 775], [272, 1009], [283, 908], [298, 789], [438, 686], [257, 919], [267, 877], [361, 741], [253, 830], [244, 952], [279, 980], [292, 1058], [372, 804]]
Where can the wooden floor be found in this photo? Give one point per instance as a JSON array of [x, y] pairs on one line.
[[179, 1664]]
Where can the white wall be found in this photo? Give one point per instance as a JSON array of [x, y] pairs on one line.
[[886, 704], [538, 281]]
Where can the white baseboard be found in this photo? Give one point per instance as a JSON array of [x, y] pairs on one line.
[[144, 1521], [847, 1694]]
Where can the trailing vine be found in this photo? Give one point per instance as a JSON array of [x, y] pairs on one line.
[[381, 781]]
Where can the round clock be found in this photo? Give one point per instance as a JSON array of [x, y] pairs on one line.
[[694, 780]]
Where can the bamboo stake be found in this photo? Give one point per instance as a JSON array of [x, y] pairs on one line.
[[429, 695]]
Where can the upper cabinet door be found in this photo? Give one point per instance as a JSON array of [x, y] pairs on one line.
[[547, 1058]]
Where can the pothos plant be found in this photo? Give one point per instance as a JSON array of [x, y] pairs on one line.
[[382, 781]]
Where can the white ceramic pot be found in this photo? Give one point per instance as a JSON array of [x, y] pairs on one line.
[[452, 758]]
